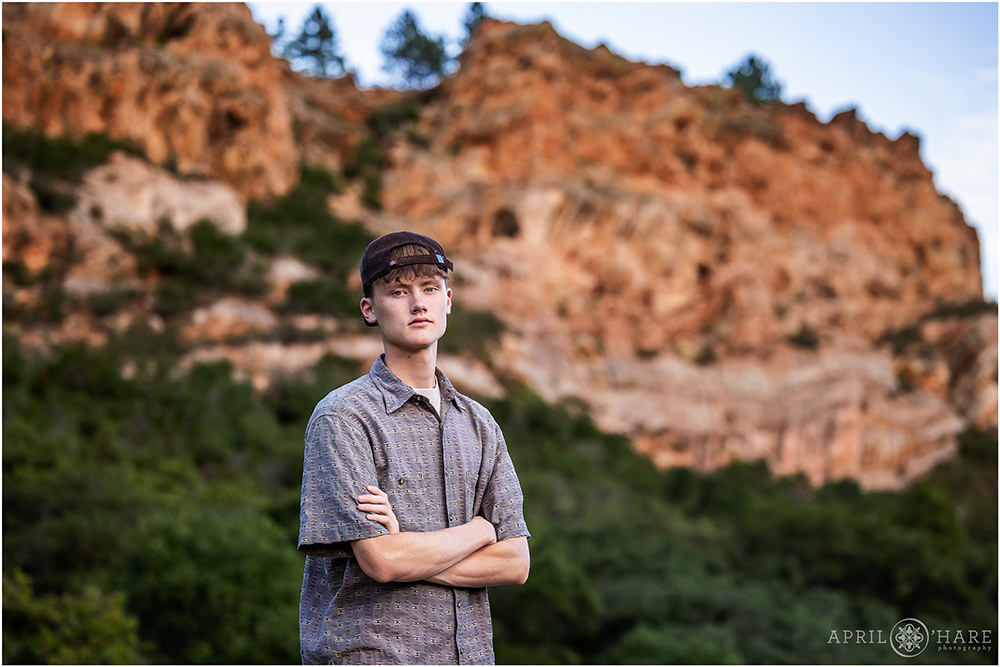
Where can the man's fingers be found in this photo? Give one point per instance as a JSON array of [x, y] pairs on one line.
[[379, 518], [379, 493], [370, 507], [381, 500]]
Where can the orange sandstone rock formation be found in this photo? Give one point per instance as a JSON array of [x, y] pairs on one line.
[[628, 230], [710, 277]]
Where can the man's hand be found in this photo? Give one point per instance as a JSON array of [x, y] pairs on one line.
[[485, 525], [377, 508]]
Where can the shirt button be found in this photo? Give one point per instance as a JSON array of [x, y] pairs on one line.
[[402, 481], [459, 605]]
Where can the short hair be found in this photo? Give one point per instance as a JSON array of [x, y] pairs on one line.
[[407, 271]]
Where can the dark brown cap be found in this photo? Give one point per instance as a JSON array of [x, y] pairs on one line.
[[375, 263]]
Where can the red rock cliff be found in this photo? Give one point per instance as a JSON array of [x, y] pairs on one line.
[[710, 277]]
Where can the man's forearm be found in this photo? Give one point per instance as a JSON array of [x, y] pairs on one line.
[[412, 556], [505, 562]]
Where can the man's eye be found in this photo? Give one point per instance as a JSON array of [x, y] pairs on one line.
[[431, 289], [397, 292]]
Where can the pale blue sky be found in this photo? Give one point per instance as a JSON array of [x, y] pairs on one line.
[[930, 68]]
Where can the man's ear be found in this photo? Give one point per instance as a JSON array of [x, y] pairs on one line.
[[447, 308], [368, 311]]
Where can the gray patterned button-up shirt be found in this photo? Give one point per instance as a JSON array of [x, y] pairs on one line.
[[438, 471]]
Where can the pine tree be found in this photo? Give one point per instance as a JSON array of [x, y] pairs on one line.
[[315, 50], [753, 77], [419, 59], [474, 15]]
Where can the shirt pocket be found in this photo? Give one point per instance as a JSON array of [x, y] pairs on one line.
[[415, 486]]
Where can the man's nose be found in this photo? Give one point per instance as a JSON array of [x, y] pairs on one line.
[[418, 303]]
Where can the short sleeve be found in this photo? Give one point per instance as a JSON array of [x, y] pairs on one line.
[[338, 466], [503, 501]]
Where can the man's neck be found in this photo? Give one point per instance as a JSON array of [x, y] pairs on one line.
[[414, 367]]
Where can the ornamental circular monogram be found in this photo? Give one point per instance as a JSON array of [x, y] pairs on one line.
[[909, 637]]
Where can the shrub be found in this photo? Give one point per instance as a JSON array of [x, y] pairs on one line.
[[18, 272], [91, 627], [472, 331], [706, 356], [111, 301], [57, 163], [212, 583], [384, 120], [967, 308], [369, 157], [293, 400], [194, 266], [323, 295], [900, 339], [59, 158], [300, 223], [805, 337]]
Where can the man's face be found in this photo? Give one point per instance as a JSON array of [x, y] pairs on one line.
[[411, 314]]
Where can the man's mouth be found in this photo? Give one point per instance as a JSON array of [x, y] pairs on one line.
[[421, 320]]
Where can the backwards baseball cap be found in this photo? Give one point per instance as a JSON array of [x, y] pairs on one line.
[[375, 263]]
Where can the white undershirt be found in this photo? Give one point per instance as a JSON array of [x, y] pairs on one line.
[[433, 395]]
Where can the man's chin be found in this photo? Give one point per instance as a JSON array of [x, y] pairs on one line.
[[414, 343]]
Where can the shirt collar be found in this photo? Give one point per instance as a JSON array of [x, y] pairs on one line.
[[396, 392]]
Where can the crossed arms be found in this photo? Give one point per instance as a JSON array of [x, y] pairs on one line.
[[466, 555]]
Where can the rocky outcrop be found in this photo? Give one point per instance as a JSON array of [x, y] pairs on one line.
[[710, 277], [228, 318], [654, 216], [956, 359], [193, 84], [837, 413], [261, 363], [128, 193]]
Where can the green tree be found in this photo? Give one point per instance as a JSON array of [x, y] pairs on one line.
[[474, 15], [418, 58], [214, 584], [89, 627], [753, 76], [315, 50]]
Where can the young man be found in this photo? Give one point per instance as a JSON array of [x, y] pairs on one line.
[[410, 503]]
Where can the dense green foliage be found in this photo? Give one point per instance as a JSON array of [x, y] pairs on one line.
[[369, 157], [179, 493], [54, 163], [193, 267], [153, 517], [633, 565], [301, 224], [471, 331]]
